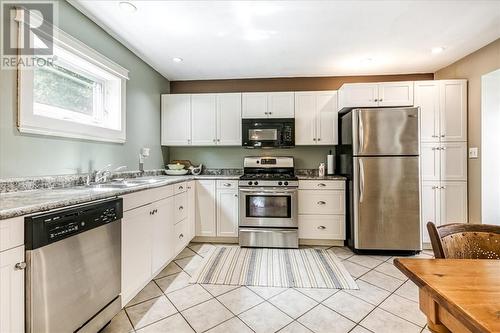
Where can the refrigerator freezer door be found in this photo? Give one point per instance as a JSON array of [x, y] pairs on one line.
[[386, 203], [383, 132]]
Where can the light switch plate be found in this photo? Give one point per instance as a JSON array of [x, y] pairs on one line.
[[473, 152]]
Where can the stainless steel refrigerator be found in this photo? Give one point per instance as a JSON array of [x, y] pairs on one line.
[[379, 152]]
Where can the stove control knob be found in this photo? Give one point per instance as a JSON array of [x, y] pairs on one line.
[[280, 183], [286, 183], [256, 183], [249, 183]]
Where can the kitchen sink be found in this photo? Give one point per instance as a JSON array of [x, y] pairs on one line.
[[124, 183]]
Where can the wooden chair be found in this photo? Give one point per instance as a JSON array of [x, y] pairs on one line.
[[465, 241]]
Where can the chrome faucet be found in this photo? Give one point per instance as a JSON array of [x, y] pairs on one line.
[[101, 176]]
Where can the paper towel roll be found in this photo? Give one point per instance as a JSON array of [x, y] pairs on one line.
[[330, 162]]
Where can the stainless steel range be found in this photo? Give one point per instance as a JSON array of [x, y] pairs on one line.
[[268, 203]]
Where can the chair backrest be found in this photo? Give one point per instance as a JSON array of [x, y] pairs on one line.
[[465, 241]]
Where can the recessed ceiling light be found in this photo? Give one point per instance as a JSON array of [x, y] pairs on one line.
[[436, 50], [127, 6], [177, 59]]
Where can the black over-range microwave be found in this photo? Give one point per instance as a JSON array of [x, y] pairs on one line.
[[268, 133]]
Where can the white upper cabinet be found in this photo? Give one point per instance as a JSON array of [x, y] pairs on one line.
[[281, 105], [427, 98], [453, 105], [268, 105], [254, 105], [305, 118], [443, 110], [203, 119], [376, 94], [316, 118], [176, 119], [395, 93], [229, 119], [358, 95]]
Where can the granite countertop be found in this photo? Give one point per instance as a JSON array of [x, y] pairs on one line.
[[317, 177], [20, 203]]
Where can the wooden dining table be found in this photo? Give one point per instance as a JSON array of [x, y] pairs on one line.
[[456, 295]]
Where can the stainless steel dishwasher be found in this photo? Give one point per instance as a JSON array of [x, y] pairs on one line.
[[73, 258]]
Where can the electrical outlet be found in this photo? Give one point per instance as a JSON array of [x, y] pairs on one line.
[[473, 152]]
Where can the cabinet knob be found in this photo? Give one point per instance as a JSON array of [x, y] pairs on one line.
[[181, 208], [442, 135], [443, 148], [321, 202], [218, 140], [380, 100], [20, 266], [314, 139], [321, 184], [181, 187], [319, 139], [375, 100], [181, 236], [227, 185], [236, 195], [321, 227]]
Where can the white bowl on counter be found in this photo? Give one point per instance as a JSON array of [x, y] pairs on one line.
[[176, 172]]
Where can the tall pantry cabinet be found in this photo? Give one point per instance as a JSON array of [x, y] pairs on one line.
[[443, 151]]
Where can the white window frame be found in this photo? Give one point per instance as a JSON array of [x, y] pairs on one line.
[[30, 122]]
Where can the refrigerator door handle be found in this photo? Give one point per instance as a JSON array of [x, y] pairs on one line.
[[361, 180], [361, 133]]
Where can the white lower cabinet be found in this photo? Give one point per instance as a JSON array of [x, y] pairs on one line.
[[136, 250], [217, 208], [227, 212], [321, 209], [154, 233], [162, 228], [11, 291], [205, 208], [443, 203]]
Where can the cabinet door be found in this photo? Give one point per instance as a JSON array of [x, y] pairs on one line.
[[162, 233], [136, 250], [254, 105], [326, 129], [305, 118], [427, 98], [205, 208], [281, 105], [176, 119], [453, 107], [191, 208], [229, 119], [359, 95], [227, 213], [430, 160], [453, 202], [203, 119], [12, 291], [430, 207], [454, 161], [395, 93]]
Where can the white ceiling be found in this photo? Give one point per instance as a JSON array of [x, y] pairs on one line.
[[244, 39]]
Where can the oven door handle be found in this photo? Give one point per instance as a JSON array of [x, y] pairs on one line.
[[264, 192]]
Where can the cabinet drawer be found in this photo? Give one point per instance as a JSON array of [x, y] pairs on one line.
[[11, 233], [180, 207], [321, 184], [322, 227], [227, 184], [141, 198], [180, 187], [181, 235], [321, 202]]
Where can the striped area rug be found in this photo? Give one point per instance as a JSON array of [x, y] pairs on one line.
[[298, 268]]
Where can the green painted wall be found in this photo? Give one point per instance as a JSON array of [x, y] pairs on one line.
[[232, 157], [32, 155]]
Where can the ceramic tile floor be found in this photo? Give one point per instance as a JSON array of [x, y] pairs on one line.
[[386, 302]]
